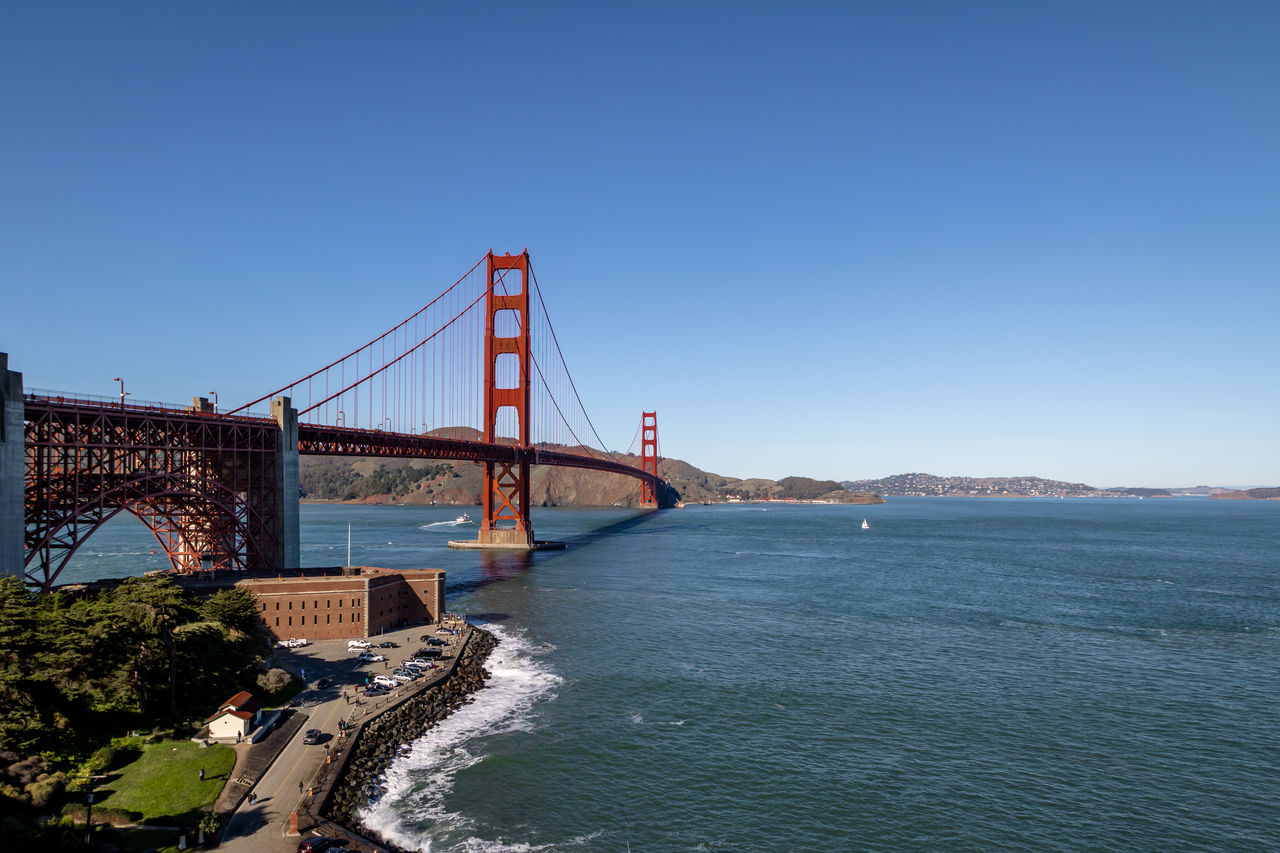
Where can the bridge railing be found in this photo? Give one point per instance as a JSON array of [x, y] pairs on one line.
[[109, 403]]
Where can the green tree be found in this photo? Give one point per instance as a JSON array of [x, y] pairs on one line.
[[20, 723], [156, 608], [235, 608]]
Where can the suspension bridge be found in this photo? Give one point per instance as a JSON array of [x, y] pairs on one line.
[[475, 375]]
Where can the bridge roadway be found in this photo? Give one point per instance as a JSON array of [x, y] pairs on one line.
[[285, 785], [347, 441], [208, 485]]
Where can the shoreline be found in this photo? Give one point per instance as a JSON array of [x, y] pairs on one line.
[[379, 739]]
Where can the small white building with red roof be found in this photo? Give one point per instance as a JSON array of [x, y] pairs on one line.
[[235, 718]]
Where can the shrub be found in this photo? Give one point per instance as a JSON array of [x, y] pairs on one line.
[[46, 790], [274, 680]]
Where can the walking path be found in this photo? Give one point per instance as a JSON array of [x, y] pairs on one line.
[[287, 777]]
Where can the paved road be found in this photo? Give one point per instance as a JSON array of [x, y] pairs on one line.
[[263, 827]]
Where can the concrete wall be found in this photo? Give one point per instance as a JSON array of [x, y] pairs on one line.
[[288, 549], [12, 470]]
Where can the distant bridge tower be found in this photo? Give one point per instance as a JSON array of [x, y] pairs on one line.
[[648, 456]]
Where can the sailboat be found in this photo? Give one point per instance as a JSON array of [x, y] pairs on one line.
[[865, 526]]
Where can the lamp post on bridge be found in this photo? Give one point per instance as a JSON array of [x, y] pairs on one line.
[[122, 394], [215, 401]]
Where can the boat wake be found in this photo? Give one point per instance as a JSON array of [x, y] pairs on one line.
[[412, 813], [456, 523]]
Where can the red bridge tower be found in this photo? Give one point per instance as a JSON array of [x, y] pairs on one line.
[[648, 456], [505, 522]]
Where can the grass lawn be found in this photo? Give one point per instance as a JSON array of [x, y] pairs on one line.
[[163, 783]]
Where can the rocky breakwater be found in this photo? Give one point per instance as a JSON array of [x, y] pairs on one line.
[[380, 739]]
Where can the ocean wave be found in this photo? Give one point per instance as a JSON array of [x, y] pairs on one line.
[[417, 785]]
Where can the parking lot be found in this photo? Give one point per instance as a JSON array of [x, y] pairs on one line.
[[335, 699]]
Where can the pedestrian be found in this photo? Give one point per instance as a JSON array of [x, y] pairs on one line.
[[201, 774], [253, 798], [299, 786]]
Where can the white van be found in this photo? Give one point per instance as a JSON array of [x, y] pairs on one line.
[[358, 644]]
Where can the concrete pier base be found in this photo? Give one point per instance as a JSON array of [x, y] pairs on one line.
[[12, 470], [477, 545]]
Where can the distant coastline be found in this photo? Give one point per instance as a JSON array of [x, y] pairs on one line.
[[421, 482], [931, 485], [1269, 494]]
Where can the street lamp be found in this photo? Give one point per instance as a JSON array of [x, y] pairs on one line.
[[215, 401], [121, 381]]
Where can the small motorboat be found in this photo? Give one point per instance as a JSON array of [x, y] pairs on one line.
[[462, 519], [865, 526]]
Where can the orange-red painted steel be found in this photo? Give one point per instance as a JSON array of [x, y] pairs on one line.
[[649, 457], [505, 501], [204, 484]]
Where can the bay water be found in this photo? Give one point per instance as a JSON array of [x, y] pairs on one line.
[[1036, 675]]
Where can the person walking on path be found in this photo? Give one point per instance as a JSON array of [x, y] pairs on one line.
[[201, 774]]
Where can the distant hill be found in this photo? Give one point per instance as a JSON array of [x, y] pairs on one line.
[[422, 482], [931, 485], [1248, 495], [698, 486]]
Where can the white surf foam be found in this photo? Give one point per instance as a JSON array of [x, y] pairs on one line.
[[420, 779], [454, 523]]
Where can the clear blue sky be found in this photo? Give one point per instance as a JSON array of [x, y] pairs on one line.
[[839, 240]]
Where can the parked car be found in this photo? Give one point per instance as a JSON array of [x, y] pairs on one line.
[[323, 684], [358, 644], [444, 630], [296, 642], [388, 644], [404, 675], [429, 652], [385, 681], [436, 641], [311, 736], [377, 690], [320, 844], [416, 663], [370, 657]]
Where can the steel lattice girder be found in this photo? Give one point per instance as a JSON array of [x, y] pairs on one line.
[[202, 484]]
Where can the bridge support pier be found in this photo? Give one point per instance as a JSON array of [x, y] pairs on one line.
[[12, 472], [288, 549]]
